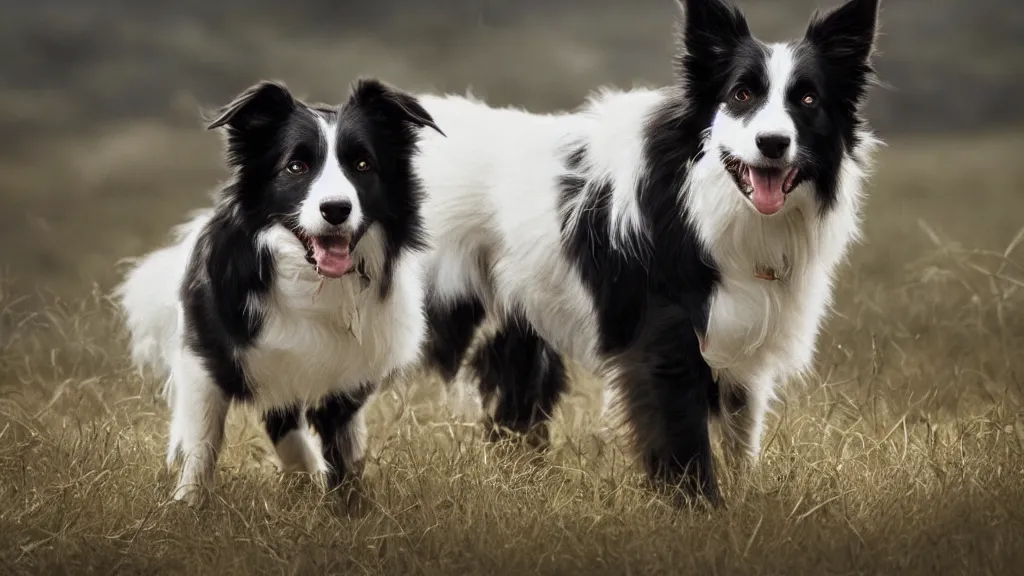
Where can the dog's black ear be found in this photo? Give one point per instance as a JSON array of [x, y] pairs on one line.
[[712, 28], [846, 35], [387, 101], [258, 105], [708, 34]]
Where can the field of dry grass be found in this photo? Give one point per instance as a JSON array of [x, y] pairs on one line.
[[904, 454]]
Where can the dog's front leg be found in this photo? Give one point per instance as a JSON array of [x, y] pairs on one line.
[[340, 423], [295, 446], [199, 409], [664, 385], [743, 411]]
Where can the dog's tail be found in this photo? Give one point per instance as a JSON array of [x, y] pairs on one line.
[[150, 301]]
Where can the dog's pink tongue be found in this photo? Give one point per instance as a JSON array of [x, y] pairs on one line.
[[333, 259], [768, 196]]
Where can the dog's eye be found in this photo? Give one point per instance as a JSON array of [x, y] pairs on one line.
[[297, 167], [362, 165], [809, 99], [741, 94]]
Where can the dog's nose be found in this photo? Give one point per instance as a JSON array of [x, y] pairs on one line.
[[773, 146], [335, 211]]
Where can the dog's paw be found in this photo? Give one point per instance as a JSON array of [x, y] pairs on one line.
[[189, 494]]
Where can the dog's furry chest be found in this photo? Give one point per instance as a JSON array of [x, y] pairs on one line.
[[333, 341], [764, 312], [754, 326]]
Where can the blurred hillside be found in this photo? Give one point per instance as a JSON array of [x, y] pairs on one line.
[[72, 64]]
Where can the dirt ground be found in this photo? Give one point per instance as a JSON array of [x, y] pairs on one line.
[[903, 454]]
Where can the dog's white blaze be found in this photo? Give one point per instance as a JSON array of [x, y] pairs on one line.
[[773, 117], [330, 184], [738, 135]]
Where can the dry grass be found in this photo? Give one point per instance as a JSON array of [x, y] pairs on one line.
[[904, 455]]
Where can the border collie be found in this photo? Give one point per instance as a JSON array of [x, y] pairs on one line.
[[682, 241], [300, 291]]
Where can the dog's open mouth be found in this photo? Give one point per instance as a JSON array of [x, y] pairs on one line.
[[331, 254], [766, 187]]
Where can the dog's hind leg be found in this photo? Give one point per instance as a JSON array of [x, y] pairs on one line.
[[296, 448], [199, 409], [451, 329], [522, 379]]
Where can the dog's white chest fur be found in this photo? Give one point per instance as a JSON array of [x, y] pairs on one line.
[[337, 339], [761, 312], [763, 330]]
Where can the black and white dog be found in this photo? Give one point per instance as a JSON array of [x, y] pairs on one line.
[[300, 290], [683, 241]]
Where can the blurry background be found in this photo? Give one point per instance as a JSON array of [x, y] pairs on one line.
[[953, 64], [99, 101]]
